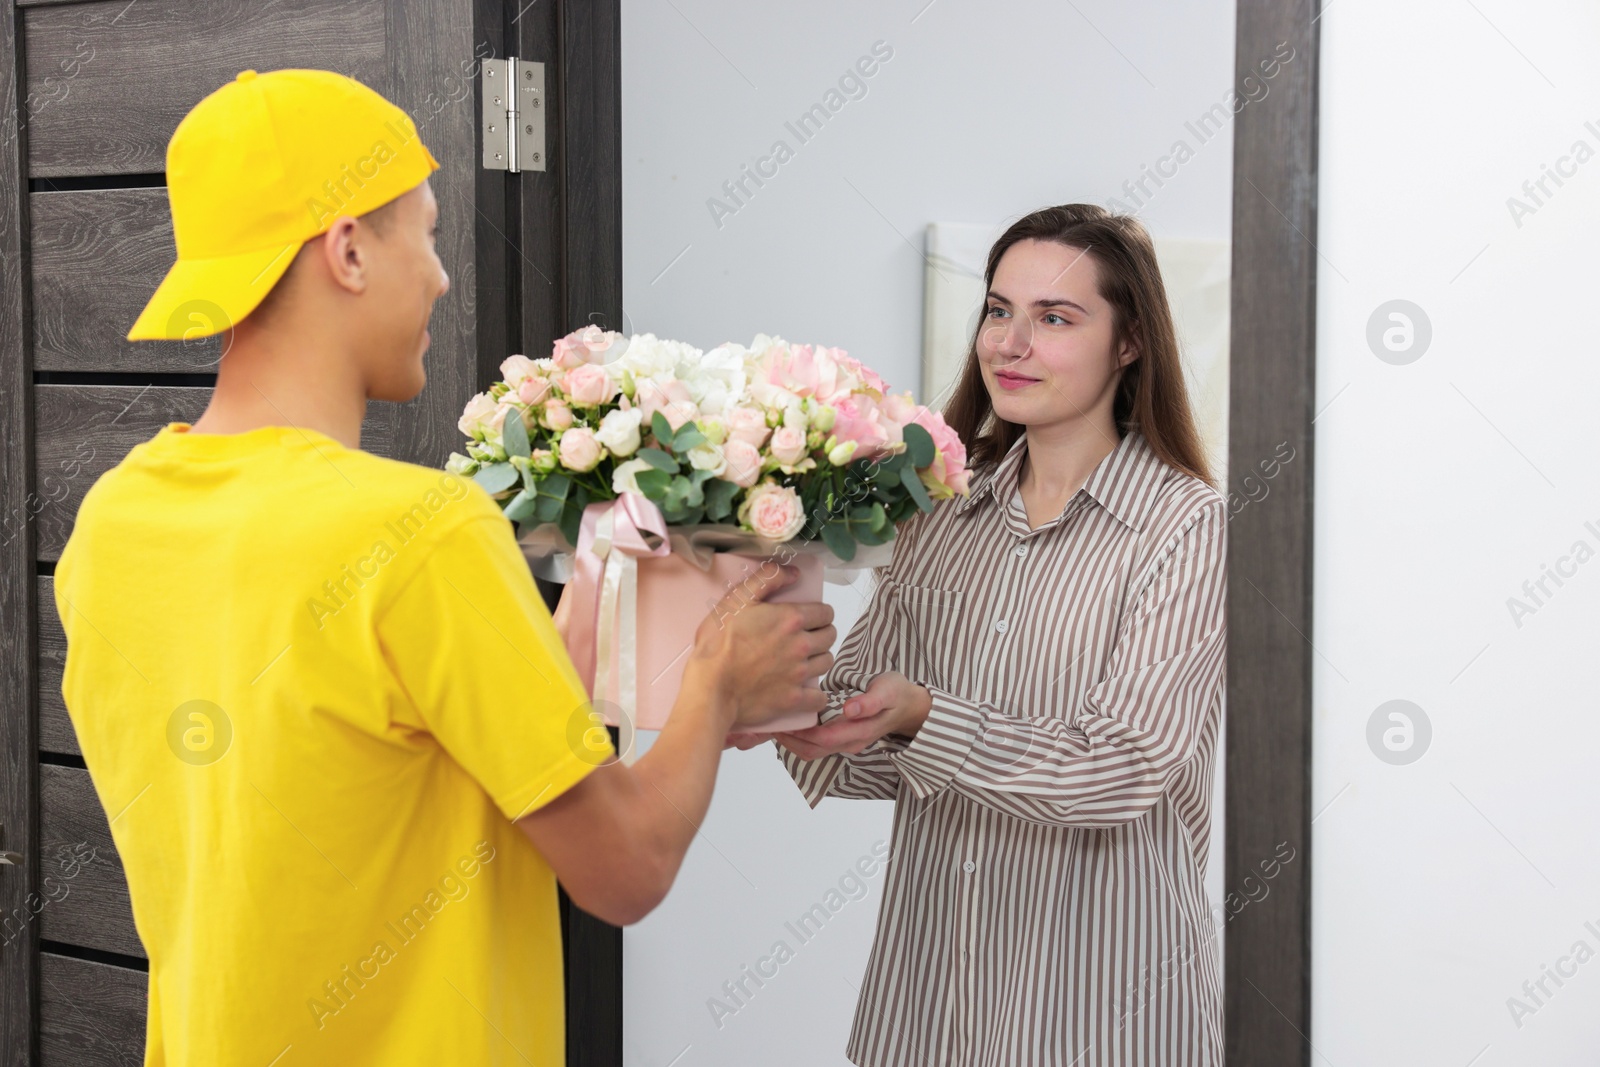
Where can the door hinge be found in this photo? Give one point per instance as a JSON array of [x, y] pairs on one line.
[[513, 115]]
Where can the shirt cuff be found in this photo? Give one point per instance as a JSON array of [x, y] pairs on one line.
[[812, 777], [941, 746]]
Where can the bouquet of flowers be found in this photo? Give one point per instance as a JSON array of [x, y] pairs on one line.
[[782, 441], [651, 465]]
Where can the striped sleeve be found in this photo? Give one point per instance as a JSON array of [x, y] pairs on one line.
[[1109, 761], [867, 775], [868, 650]]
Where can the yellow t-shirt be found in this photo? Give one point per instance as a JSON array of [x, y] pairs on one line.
[[313, 686]]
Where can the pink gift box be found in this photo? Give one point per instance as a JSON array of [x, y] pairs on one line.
[[674, 595]]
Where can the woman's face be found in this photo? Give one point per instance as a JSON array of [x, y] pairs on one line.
[[1045, 345]]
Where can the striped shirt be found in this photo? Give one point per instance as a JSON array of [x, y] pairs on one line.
[[1046, 902]]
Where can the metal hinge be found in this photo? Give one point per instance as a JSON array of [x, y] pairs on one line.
[[513, 115]]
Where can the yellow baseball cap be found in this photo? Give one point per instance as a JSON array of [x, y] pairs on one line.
[[258, 168]]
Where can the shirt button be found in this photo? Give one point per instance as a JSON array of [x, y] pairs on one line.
[[969, 866], [1002, 626], [1022, 550]]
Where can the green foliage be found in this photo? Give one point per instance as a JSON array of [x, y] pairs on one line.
[[919, 445], [496, 477], [918, 491], [514, 435], [680, 440], [719, 499], [658, 459]]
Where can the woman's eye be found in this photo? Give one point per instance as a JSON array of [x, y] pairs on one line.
[[995, 308], [1054, 320]]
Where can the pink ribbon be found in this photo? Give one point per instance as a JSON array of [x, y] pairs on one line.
[[612, 537]]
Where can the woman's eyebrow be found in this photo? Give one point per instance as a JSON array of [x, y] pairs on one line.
[[1046, 302], [1059, 301]]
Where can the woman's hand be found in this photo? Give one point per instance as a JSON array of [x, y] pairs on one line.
[[892, 704]]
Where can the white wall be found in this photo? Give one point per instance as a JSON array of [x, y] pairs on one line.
[[1442, 885], [984, 112]]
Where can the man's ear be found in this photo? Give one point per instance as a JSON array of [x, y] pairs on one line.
[[344, 255]]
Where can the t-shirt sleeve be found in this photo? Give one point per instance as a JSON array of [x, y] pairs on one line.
[[473, 645]]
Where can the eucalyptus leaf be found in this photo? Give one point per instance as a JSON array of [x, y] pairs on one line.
[[556, 485], [839, 542], [918, 491], [496, 477], [514, 435], [549, 509], [688, 436], [919, 445], [571, 522], [867, 535], [653, 483], [520, 507], [719, 495], [658, 459], [661, 428]]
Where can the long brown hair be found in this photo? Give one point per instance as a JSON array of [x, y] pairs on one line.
[[1151, 396]]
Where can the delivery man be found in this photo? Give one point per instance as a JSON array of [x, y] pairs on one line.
[[343, 752]]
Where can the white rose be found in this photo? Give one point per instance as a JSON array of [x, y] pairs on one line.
[[708, 457], [624, 476], [619, 431], [716, 379]]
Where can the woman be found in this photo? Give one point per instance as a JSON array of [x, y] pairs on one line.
[[1037, 684]]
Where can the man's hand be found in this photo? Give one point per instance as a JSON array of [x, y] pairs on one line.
[[892, 704], [760, 655], [750, 662]]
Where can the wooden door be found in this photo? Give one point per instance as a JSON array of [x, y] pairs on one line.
[[92, 91]]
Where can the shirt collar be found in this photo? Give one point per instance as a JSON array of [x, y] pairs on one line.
[[1123, 482]]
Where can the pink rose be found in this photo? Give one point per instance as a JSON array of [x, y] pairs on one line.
[[744, 463], [579, 450], [680, 411], [479, 410], [533, 389], [654, 396], [516, 368], [494, 429], [589, 385], [580, 347], [748, 425], [789, 445], [773, 511], [901, 408], [859, 419], [947, 475], [557, 415], [803, 371], [854, 368]]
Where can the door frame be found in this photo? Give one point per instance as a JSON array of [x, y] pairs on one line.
[[1272, 401], [19, 740], [569, 214]]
